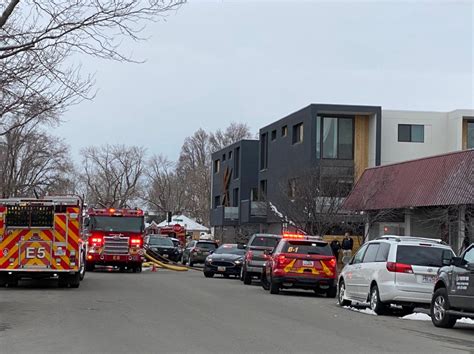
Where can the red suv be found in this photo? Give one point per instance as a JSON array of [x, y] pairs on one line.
[[301, 262]]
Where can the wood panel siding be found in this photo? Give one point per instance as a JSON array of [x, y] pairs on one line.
[[464, 134], [361, 145]]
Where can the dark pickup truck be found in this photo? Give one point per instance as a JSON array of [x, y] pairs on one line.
[[453, 296]]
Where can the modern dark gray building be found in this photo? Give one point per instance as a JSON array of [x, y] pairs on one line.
[[336, 141]]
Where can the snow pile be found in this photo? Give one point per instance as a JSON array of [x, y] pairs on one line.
[[466, 320], [417, 316], [366, 311]]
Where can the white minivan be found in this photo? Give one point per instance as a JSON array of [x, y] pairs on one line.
[[397, 270]]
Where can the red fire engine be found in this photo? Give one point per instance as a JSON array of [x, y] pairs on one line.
[[40, 238], [115, 238]]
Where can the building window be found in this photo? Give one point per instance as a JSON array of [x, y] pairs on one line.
[[235, 197], [284, 131], [263, 190], [254, 194], [217, 201], [318, 137], [274, 134], [298, 133], [223, 157], [411, 133], [337, 137], [237, 163], [470, 135], [217, 166], [264, 151], [230, 155]]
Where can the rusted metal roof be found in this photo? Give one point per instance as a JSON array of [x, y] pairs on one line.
[[432, 181]]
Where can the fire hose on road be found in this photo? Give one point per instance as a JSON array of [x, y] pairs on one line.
[[162, 262]]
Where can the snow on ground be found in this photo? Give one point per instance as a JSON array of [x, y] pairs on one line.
[[417, 316], [366, 311], [466, 320]]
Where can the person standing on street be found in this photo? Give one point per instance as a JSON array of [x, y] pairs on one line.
[[347, 245], [335, 246]]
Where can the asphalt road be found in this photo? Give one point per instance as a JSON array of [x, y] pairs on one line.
[[167, 312]]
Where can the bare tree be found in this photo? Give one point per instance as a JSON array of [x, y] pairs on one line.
[[234, 132], [31, 161], [38, 37], [312, 203], [113, 174], [165, 187]]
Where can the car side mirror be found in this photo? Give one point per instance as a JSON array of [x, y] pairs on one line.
[[458, 262], [447, 258]]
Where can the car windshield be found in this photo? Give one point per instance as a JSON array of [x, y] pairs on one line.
[[175, 242], [116, 223], [160, 241], [305, 247], [230, 249], [420, 255], [264, 241], [206, 245]]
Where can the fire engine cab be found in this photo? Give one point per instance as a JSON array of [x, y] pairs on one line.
[[40, 238], [115, 238]]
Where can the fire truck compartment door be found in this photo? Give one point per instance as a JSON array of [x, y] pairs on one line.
[[35, 254]]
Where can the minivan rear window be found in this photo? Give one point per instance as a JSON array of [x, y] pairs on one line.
[[264, 241], [305, 247], [420, 255]]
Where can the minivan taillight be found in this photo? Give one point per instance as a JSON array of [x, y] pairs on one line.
[[399, 267]]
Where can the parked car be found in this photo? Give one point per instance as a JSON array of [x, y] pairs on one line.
[[162, 245], [302, 262], [397, 270], [254, 257], [453, 296], [197, 251], [226, 260]]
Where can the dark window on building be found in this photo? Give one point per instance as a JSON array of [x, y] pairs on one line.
[[264, 151], [217, 166], [223, 157], [318, 137], [284, 131], [217, 201], [235, 197], [263, 190], [298, 133], [230, 155], [470, 135], [236, 163], [411, 133], [274, 134], [254, 194], [337, 137]]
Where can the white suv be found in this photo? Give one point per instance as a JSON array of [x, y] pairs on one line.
[[398, 270]]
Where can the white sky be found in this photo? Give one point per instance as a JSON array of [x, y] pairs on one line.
[[213, 62]]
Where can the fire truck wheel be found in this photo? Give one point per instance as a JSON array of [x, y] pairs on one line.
[[75, 280], [82, 270], [62, 282]]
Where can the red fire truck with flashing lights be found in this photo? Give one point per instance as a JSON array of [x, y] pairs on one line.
[[115, 238], [40, 238]]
